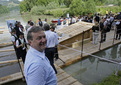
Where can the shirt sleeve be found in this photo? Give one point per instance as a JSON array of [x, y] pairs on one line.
[[17, 43], [57, 42], [9, 29], [20, 29], [36, 76], [12, 38]]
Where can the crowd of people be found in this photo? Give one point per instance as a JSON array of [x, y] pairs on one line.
[[104, 24], [43, 40]]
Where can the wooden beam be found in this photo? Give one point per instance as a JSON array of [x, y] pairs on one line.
[[10, 78], [2, 27], [7, 50], [5, 44], [10, 61]]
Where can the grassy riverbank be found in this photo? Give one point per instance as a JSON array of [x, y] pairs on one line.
[[111, 80]]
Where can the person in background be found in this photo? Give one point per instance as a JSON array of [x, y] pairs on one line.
[[103, 29], [52, 41], [10, 28], [95, 29], [40, 23], [21, 46], [28, 25], [73, 20], [64, 21], [59, 21], [52, 28], [17, 29], [21, 28], [45, 21], [37, 68], [14, 38], [31, 25]]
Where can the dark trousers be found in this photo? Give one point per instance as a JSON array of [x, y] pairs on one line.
[[103, 36], [49, 53], [21, 54]]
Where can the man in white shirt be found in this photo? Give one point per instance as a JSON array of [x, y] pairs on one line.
[[52, 41]]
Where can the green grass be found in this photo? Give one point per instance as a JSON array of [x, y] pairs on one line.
[[111, 80]]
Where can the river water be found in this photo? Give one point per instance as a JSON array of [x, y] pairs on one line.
[[5, 37], [92, 70]]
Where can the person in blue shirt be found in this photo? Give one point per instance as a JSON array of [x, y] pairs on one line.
[[37, 68], [59, 21]]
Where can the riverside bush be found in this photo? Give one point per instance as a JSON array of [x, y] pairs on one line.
[[57, 12], [3, 9], [52, 5], [38, 10]]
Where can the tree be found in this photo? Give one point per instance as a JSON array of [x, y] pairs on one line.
[[77, 7], [67, 2], [23, 7], [90, 6], [30, 4]]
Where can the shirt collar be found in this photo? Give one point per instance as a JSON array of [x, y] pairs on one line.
[[36, 52]]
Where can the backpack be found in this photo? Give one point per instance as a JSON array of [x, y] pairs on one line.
[[101, 25], [108, 29]]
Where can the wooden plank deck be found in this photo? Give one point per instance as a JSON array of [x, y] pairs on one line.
[[71, 55], [62, 78]]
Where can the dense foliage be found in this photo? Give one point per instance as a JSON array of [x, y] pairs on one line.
[[3, 9], [76, 7]]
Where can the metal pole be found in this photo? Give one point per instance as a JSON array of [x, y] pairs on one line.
[[82, 44]]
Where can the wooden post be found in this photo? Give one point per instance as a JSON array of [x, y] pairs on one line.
[[100, 43], [114, 36], [82, 44]]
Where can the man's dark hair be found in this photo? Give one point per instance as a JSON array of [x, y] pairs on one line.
[[28, 22], [46, 27], [21, 33], [39, 18], [34, 29]]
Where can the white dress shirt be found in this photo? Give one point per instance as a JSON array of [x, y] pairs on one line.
[[52, 39]]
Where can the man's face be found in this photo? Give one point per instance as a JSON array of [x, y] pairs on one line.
[[39, 41]]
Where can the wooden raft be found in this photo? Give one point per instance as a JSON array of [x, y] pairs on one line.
[[62, 78]]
